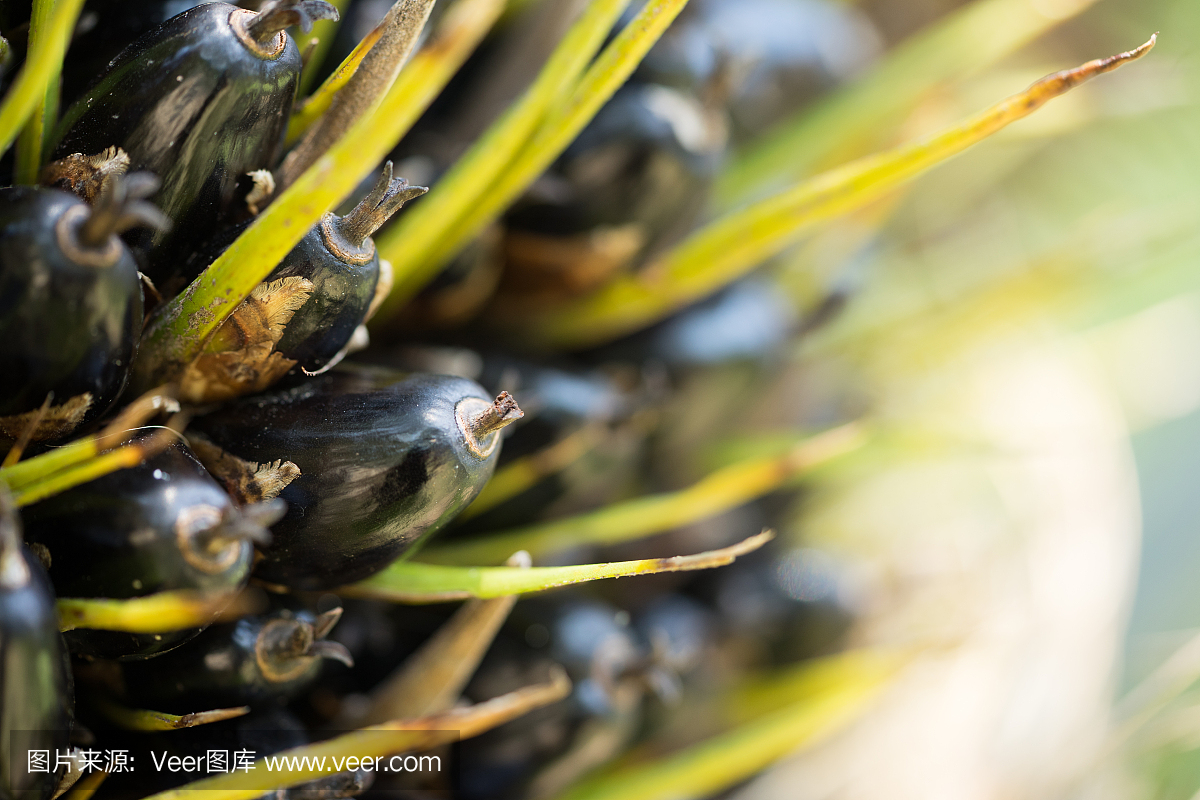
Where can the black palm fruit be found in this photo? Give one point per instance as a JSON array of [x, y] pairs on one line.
[[256, 661], [36, 698], [761, 60], [105, 28], [307, 312], [386, 459], [165, 525], [635, 181], [201, 100], [70, 302]]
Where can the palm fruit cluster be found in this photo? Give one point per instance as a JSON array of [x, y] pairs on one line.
[[220, 484]]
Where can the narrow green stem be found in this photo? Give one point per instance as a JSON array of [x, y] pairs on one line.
[[740, 241], [721, 490], [41, 65], [848, 123], [128, 456], [118, 431], [409, 582], [154, 613], [41, 120], [521, 474]]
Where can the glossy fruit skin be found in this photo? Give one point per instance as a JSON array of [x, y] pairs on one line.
[[194, 105], [36, 693], [220, 668], [65, 326], [342, 292], [105, 28], [118, 537], [383, 465]]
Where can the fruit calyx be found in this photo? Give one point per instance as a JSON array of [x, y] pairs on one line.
[[88, 234], [210, 539], [479, 420], [85, 175], [277, 15], [349, 237], [286, 646]]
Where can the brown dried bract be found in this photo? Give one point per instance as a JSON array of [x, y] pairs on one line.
[[83, 175], [246, 481], [55, 421], [241, 356]]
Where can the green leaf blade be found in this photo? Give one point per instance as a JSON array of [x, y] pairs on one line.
[[962, 43], [737, 243], [36, 76], [605, 75]]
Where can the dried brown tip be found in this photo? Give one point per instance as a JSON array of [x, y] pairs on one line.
[[247, 482], [334, 651], [58, 420], [286, 645], [479, 421], [320, 648], [27, 432], [325, 622], [198, 718], [276, 15], [120, 206], [384, 200], [85, 175], [503, 411]]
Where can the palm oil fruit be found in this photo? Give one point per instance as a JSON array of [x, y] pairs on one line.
[[386, 459], [339, 257], [36, 698], [256, 661], [70, 302], [306, 313], [762, 60], [165, 525], [201, 100]]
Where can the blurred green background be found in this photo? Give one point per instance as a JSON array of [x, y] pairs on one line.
[[1025, 331]]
